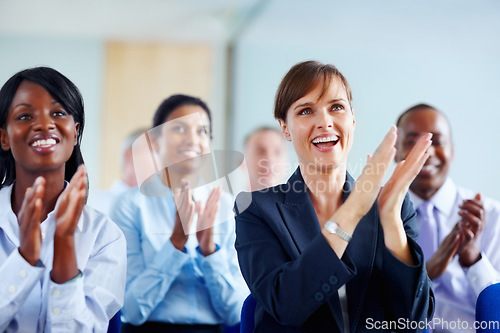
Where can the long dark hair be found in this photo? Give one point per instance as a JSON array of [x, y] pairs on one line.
[[64, 92]]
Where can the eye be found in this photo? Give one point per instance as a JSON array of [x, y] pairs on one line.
[[409, 143], [23, 116], [304, 112], [437, 143], [337, 107], [178, 129], [203, 131], [59, 113]]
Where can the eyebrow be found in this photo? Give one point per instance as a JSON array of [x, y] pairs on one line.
[[180, 122], [329, 102], [417, 134], [54, 102]]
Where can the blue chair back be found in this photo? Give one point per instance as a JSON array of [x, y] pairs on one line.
[[115, 323], [488, 308], [248, 315]]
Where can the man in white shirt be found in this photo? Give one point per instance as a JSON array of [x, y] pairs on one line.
[[459, 229]]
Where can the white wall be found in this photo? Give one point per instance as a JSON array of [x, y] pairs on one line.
[[395, 54]]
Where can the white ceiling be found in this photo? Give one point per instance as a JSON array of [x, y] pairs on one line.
[[218, 20], [181, 20]]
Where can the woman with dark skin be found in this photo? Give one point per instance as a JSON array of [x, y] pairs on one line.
[[56, 254]]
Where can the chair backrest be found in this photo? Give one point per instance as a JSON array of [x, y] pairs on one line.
[[488, 309], [115, 323], [248, 315]]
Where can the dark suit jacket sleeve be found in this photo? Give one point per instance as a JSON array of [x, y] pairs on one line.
[[408, 288], [290, 286]]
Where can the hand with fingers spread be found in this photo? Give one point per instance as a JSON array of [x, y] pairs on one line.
[[29, 222], [206, 217], [71, 203], [470, 227], [393, 193], [67, 215], [185, 204], [367, 186], [439, 261]]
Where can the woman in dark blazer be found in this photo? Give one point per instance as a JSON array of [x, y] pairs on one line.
[[325, 253]]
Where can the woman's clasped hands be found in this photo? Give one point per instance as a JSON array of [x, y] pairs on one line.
[[67, 214], [186, 207]]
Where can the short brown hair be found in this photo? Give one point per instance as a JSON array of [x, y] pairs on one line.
[[300, 80]]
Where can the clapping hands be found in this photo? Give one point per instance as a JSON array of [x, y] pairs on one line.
[[186, 207]]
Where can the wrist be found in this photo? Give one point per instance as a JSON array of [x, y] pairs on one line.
[[467, 261], [208, 250], [333, 228], [178, 244]]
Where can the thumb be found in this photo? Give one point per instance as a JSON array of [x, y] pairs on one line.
[[478, 197]]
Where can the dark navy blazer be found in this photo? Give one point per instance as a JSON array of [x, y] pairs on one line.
[[294, 274]]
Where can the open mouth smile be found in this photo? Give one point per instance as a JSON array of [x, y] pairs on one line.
[[326, 143]]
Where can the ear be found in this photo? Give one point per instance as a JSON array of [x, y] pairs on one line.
[[4, 139], [284, 130], [77, 127], [452, 151]]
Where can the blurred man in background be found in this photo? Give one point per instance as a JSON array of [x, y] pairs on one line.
[[266, 158]]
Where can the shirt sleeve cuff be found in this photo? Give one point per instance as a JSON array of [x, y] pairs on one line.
[[169, 260], [217, 262], [62, 297], [482, 274]]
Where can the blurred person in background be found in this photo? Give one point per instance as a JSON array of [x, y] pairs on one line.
[[183, 274], [103, 200], [266, 157]]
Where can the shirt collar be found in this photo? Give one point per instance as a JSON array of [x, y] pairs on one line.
[[443, 199]]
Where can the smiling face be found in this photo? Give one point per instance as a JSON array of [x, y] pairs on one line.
[[184, 136], [38, 131], [320, 126], [266, 158], [436, 168]]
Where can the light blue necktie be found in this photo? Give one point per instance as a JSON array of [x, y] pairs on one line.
[[428, 236]]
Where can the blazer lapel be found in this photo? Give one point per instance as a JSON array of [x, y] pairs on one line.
[[302, 223], [298, 212]]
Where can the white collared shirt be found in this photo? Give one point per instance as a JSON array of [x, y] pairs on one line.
[[31, 302], [457, 289]]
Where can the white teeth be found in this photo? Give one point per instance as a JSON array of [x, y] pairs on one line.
[[44, 143], [190, 153], [325, 139]]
